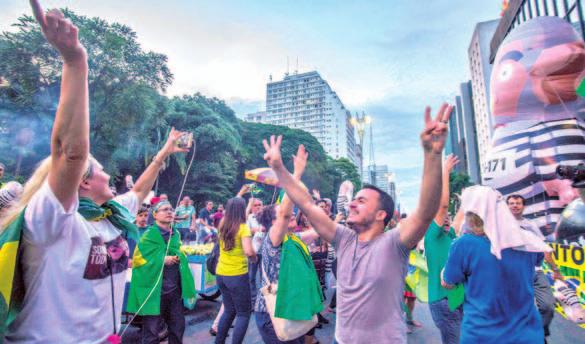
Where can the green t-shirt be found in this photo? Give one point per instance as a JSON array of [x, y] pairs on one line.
[[437, 244], [182, 211]]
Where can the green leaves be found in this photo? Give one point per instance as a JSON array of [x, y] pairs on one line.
[[130, 118], [457, 182]]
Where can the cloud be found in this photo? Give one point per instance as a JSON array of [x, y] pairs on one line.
[[387, 58], [244, 106]]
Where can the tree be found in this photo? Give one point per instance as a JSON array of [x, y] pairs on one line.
[[124, 84], [218, 149], [347, 171], [457, 182], [315, 176], [130, 116]]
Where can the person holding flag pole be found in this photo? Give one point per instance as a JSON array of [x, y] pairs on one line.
[[62, 246]]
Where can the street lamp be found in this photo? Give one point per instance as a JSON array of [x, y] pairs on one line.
[[360, 123]]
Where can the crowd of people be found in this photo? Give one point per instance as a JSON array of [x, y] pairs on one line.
[[282, 263]]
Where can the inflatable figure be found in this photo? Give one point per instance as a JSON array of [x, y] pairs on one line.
[[539, 118]]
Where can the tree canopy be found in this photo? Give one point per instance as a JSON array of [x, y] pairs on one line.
[[131, 116]]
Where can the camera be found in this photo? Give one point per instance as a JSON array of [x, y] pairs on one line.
[[574, 173], [185, 140]]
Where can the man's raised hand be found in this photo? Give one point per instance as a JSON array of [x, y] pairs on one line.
[[272, 155], [60, 33], [434, 134], [450, 162], [300, 161]]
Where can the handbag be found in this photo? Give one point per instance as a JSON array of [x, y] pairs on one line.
[[213, 259], [285, 329]]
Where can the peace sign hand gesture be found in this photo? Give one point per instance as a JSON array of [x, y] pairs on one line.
[[60, 33], [273, 156], [434, 134]]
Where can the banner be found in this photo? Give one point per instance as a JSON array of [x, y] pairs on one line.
[[570, 295]]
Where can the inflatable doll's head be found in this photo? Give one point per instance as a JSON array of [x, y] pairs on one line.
[[536, 72]]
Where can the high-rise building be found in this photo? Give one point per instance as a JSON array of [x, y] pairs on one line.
[[306, 101], [480, 68], [380, 176], [469, 131], [392, 188], [462, 139], [459, 146]]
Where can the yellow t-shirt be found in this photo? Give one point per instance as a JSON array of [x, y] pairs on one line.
[[234, 262]]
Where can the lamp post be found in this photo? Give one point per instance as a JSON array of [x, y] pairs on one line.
[[360, 123], [391, 185]]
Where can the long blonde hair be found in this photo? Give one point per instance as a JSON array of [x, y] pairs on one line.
[[30, 189], [33, 185]]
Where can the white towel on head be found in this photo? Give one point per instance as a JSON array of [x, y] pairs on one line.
[[499, 225]]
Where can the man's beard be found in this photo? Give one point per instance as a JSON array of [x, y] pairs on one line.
[[361, 227]]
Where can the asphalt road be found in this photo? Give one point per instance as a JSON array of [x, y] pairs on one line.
[[200, 319]]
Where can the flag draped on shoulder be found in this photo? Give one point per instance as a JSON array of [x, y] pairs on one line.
[[11, 282], [299, 294], [147, 267]]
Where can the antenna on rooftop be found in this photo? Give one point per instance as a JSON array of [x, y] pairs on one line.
[[297, 70], [287, 67]]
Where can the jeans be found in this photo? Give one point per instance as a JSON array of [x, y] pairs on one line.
[[235, 291], [171, 312], [185, 234], [267, 333], [545, 300], [253, 269], [449, 323]]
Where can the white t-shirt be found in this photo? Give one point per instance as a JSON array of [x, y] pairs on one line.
[[530, 226], [252, 223], [68, 291]]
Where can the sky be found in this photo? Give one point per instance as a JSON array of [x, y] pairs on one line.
[[385, 58]]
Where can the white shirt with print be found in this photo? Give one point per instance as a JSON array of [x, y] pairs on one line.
[[61, 305]]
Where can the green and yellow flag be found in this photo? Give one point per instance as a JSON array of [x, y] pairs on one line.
[[581, 88], [147, 266], [11, 284]]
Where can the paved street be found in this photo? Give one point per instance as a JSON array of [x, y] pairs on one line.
[[200, 319]]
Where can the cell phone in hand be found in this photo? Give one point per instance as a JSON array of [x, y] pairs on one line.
[[185, 140]]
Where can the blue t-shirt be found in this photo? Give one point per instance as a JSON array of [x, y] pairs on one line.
[[205, 215], [499, 294]]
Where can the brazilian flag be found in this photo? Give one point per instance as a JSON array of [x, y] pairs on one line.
[[11, 283], [581, 88], [280, 197]]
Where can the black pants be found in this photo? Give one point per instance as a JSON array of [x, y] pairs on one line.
[[171, 312], [235, 291], [253, 270]]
